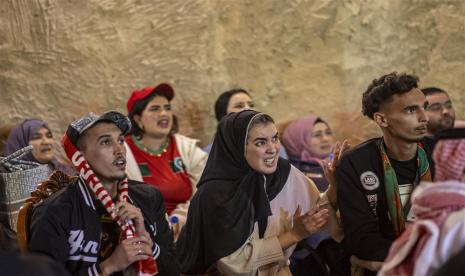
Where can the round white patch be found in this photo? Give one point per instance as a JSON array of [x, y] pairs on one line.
[[369, 180]]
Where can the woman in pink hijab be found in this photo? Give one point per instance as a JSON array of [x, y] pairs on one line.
[[308, 142]]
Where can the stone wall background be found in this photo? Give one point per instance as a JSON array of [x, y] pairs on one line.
[[62, 58]]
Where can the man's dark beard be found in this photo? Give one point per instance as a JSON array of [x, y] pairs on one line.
[[449, 118], [441, 125]]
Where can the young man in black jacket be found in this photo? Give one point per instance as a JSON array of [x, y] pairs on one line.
[[101, 223], [375, 179]]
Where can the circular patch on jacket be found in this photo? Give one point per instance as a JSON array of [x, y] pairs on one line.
[[369, 180]]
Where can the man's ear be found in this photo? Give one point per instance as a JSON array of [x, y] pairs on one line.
[[380, 119]]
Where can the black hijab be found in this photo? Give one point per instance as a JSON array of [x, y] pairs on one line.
[[231, 197]]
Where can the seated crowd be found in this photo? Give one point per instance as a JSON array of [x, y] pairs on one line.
[[138, 198]]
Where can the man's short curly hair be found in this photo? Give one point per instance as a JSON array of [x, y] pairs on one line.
[[382, 89]]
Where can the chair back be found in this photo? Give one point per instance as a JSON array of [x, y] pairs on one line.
[[56, 182]]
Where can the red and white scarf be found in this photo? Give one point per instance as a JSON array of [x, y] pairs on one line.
[[143, 268], [449, 159], [436, 235]]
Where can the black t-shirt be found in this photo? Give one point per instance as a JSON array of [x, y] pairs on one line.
[[406, 171]]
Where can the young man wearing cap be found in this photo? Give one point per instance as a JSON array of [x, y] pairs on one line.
[[101, 223], [375, 178]]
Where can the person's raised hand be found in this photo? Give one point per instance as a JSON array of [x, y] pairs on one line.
[[126, 253], [308, 223], [330, 170]]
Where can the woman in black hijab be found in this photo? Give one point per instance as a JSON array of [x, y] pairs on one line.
[[251, 207]]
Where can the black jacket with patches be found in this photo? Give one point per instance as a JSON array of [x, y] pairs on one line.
[[363, 206], [66, 227]]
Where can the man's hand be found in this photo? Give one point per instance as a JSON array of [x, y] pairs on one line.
[[126, 253], [126, 211], [129, 250]]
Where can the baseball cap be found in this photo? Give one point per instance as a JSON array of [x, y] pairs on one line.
[[161, 89], [78, 127]]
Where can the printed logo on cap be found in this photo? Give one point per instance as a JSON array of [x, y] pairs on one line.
[[369, 180], [81, 123]]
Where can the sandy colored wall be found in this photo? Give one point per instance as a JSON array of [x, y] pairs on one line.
[[60, 58]]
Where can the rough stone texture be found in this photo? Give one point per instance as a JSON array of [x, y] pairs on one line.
[[62, 58]]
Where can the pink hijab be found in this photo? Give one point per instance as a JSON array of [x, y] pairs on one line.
[[295, 140]]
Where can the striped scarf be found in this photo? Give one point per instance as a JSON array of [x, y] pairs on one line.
[[449, 158], [436, 235], [144, 267], [397, 212]]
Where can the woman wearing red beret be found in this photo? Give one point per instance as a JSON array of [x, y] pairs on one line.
[[156, 155]]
